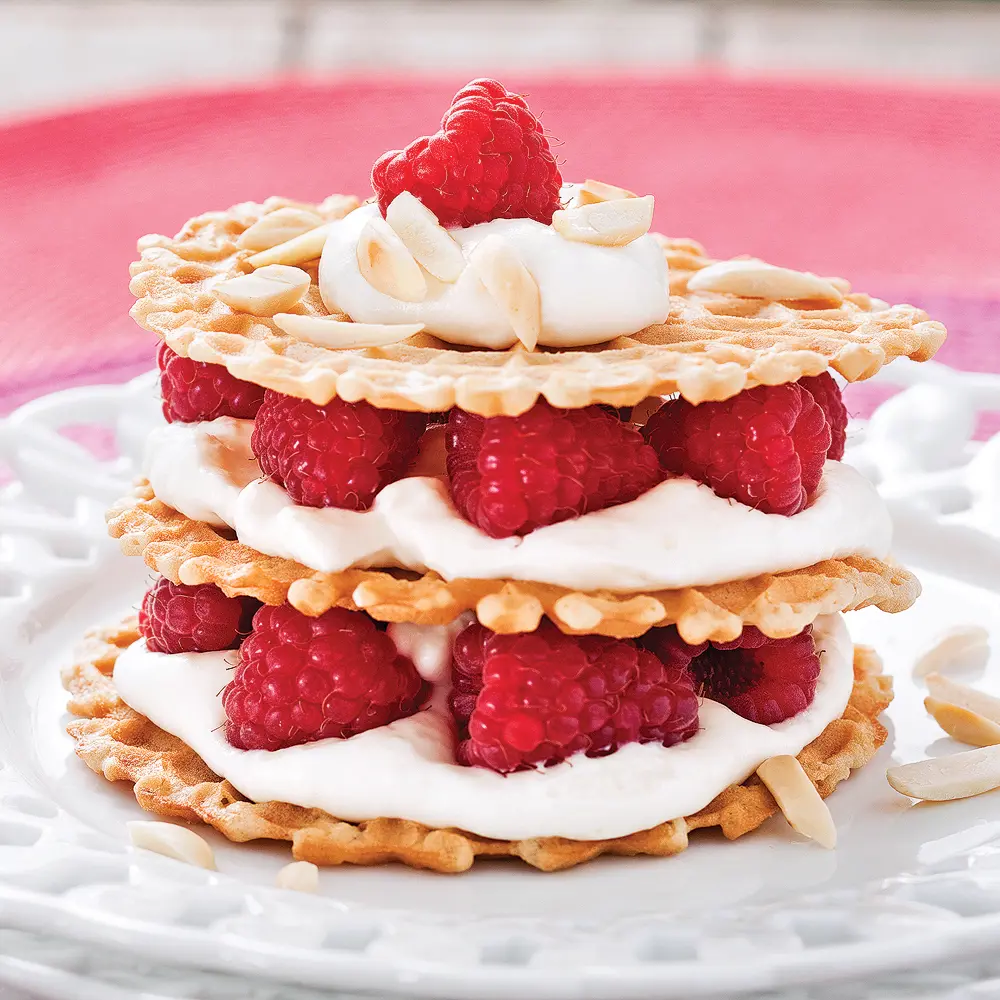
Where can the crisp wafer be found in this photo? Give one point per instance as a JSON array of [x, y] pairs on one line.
[[171, 780], [779, 604], [711, 347]]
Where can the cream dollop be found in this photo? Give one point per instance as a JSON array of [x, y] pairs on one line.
[[407, 769], [589, 294], [678, 534]]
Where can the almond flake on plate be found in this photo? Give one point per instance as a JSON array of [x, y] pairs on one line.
[[590, 192], [339, 335], [798, 799], [946, 689], [177, 842], [308, 246], [511, 285], [606, 223], [387, 265], [430, 243], [299, 876], [271, 289], [755, 279], [956, 776], [963, 647], [962, 724], [279, 226]]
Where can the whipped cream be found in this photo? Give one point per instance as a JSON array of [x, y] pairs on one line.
[[406, 770], [589, 294], [678, 534]]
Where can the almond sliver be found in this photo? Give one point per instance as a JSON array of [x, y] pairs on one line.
[[755, 279], [511, 285], [962, 724], [387, 265], [279, 226], [606, 223], [956, 776], [340, 336], [946, 689], [299, 876], [798, 799], [177, 842], [308, 246], [964, 647], [271, 289], [590, 192], [430, 243]]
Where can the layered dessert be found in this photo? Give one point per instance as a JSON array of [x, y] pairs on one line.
[[488, 522]]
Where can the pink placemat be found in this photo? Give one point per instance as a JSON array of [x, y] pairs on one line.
[[893, 188]]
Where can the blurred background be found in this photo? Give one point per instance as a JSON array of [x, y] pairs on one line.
[[850, 137]]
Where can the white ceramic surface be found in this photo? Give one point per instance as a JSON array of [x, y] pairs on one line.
[[909, 887]]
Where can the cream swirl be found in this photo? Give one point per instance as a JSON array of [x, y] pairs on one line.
[[589, 294], [678, 534], [407, 769]]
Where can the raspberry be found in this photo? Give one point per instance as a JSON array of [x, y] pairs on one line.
[[194, 390], [764, 447], [490, 160], [827, 393], [510, 475], [521, 701], [176, 618], [302, 679], [764, 680], [338, 455]]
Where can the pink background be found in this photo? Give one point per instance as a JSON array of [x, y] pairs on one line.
[[894, 188]]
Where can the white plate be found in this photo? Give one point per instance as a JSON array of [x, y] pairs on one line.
[[910, 885]]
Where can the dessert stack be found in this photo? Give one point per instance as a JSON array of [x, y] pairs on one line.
[[488, 522]]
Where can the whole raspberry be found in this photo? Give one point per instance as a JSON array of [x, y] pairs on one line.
[[194, 390], [490, 160], [303, 679], [521, 701], [338, 455], [510, 475], [827, 393], [764, 680], [764, 447], [176, 618]]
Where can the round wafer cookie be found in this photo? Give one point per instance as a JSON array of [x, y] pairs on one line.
[[711, 347], [779, 604], [170, 779]]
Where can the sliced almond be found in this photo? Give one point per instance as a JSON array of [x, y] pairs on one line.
[[956, 776], [172, 841], [429, 242], [511, 285], [964, 647], [591, 192], [510, 610], [279, 226], [755, 279], [962, 724], [308, 246], [946, 689], [336, 206], [268, 290], [341, 336], [606, 223], [299, 876], [798, 799], [387, 265]]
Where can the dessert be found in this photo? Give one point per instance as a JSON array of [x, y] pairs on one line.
[[488, 522]]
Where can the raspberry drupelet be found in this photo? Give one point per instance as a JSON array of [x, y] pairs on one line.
[[764, 447], [337, 455], [489, 160], [510, 475], [763, 680], [177, 618], [302, 679], [521, 701], [826, 392], [195, 390]]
